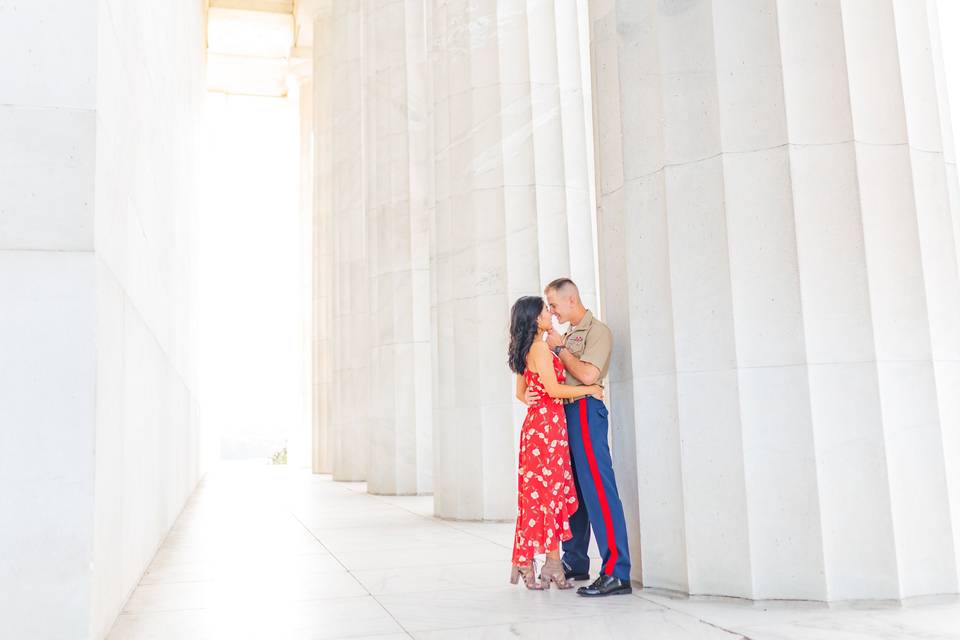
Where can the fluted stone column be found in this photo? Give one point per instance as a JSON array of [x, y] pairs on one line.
[[398, 163], [512, 212], [779, 261], [322, 241], [342, 227]]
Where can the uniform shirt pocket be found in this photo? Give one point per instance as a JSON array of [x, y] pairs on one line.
[[576, 344]]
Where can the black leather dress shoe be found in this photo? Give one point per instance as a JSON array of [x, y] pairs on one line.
[[606, 586], [570, 574]]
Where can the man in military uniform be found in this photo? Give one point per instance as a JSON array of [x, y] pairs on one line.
[[585, 352]]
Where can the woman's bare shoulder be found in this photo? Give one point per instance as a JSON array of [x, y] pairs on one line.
[[536, 350], [539, 346]]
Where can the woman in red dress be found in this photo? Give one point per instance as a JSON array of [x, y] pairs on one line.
[[546, 496]]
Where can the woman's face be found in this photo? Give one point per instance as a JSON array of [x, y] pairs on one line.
[[544, 320]]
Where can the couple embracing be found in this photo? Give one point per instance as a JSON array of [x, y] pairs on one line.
[[565, 477]]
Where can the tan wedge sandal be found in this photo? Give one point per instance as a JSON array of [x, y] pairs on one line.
[[529, 573], [552, 572]]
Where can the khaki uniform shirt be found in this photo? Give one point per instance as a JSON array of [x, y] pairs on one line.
[[590, 341]]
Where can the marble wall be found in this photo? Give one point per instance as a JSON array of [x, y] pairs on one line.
[[98, 429], [149, 448], [48, 321], [779, 259]]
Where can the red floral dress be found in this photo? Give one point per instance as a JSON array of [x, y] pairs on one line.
[[546, 496]]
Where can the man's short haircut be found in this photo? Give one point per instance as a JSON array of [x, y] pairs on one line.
[[562, 285]]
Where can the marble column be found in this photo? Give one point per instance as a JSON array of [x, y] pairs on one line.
[[512, 212], [302, 446], [398, 165], [322, 285], [779, 261], [342, 225]]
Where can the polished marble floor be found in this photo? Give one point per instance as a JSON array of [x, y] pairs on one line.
[[274, 553]]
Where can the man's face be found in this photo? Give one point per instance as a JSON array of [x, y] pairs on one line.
[[560, 305]]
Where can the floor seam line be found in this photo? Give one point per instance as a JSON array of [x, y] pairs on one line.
[[739, 635], [352, 574]]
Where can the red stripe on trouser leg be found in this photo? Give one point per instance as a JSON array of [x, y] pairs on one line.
[[601, 494]]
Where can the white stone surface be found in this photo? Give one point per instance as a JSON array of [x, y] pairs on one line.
[[342, 216], [270, 552], [40, 147], [43, 41], [150, 451], [322, 254], [512, 213], [787, 327], [48, 323], [398, 162], [47, 424], [815, 80], [510, 206], [304, 449], [99, 429]]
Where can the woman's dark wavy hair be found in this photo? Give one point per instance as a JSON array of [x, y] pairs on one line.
[[523, 331]]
